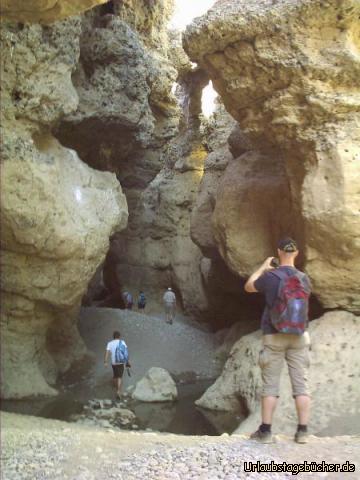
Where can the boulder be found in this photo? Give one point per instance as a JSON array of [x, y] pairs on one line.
[[288, 72], [156, 386], [334, 377]]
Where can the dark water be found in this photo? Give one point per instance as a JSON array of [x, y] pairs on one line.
[[180, 417]]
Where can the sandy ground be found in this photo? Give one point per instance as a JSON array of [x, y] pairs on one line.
[[35, 448], [182, 348]]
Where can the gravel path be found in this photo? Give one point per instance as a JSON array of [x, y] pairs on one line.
[[35, 448], [182, 348]]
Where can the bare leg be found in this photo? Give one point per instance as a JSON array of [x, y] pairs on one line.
[[167, 315], [302, 403], [118, 386], [268, 405]]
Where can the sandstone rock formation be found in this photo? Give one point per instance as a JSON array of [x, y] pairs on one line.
[[288, 71], [334, 377], [156, 386], [44, 11], [129, 122], [126, 117], [57, 213]]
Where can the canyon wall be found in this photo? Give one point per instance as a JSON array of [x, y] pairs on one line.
[[43, 11], [288, 72], [57, 212], [140, 116]]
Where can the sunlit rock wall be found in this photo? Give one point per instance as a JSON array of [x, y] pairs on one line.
[[43, 11], [288, 71], [129, 122], [57, 213]]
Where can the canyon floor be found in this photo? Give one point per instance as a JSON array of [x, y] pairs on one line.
[[184, 348], [35, 448]]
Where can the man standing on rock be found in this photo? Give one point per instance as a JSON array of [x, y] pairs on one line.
[[284, 325], [169, 299], [118, 351]]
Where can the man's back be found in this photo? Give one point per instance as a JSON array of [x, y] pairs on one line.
[[169, 297], [268, 284], [111, 347]]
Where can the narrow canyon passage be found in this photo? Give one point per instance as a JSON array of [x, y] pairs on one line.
[[156, 144]]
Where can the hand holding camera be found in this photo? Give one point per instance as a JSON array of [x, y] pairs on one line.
[[275, 263]]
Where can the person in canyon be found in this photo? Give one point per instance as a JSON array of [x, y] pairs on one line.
[[128, 300], [169, 300], [141, 303], [293, 345], [118, 351]]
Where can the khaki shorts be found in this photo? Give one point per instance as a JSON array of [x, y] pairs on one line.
[[295, 350]]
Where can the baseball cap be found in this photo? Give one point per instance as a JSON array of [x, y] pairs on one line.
[[288, 245]]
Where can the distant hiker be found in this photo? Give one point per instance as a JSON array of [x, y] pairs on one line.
[[141, 301], [128, 300], [169, 299], [284, 325], [119, 353]]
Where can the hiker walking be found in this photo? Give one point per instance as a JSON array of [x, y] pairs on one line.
[[141, 300], [284, 325], [118, 351], [128, 300], [169, 299]]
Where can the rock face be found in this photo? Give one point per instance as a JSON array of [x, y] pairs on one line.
[[156, 386], [44, 11], [129, 122], [288, 72], [57, 213], [124, 82], [335, 391]]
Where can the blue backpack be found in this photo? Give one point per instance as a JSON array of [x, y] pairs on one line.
[[121, 353], [289, 313]]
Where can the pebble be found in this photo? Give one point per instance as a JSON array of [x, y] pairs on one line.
[[207, 462]]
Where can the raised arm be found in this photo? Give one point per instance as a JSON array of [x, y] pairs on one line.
[[249, 285]]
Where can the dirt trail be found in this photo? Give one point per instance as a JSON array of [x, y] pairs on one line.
[[180, 348]]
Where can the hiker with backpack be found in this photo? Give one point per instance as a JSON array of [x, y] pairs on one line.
[[141, 301], [118, 351], [284, 325]]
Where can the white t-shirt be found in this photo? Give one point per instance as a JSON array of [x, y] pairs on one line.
[[169, 297], [111, 347]]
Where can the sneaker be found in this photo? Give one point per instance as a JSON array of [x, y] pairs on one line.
[[262, 437], [301, 437]]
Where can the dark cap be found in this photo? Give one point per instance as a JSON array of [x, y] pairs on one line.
[[287, 245]]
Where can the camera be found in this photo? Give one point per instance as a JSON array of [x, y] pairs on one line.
[[275, 262]]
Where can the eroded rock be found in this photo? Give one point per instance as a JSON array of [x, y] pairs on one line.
[[288, 71], [57, 213], [335, 391], [44, 11]]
